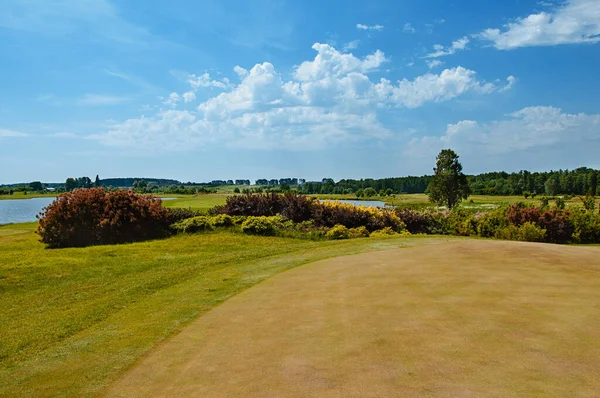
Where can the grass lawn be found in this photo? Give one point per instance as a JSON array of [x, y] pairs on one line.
[[73, 320]]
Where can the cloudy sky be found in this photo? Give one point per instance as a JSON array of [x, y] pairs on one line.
[[201, 90]]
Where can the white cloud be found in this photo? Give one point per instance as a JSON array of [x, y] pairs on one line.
[[441, 51], [11, 133], [205, 80], [330, 62], [189, 96], [241, 72], [101, 100], [577, 21], [330, 99], [352, 45], [511, 82], [449, 84], [367, 27], [434, 63], [408, 28], [530, 129], [173, 99]]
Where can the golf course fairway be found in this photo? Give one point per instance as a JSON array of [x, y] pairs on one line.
[[468, 318]]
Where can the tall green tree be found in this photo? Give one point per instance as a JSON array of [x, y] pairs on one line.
[[97, 182], [449, 185], [70, 184], [36, 186]]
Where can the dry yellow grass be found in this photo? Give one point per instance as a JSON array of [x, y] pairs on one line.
[[463, 319]]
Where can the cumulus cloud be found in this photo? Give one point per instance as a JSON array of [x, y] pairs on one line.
[[535, 128], [367, 27], [577, 21], [441, 51], [330, 98], [450, 83]]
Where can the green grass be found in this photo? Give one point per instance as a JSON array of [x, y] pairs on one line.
[[202, 202], [30, 195], [73, 320]]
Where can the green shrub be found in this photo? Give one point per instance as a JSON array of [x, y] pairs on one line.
[[338, 232], [194, 224], [384, 232], [360, 232], [260, 225], [177, 214], [559, 203], [527, 232], [530, 232], [222, 220], [490, 222], [589, 202], [587, 226]]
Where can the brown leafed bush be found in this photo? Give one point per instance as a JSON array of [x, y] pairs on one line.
[[86, 217]]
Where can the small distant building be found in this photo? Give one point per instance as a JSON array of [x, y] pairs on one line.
[[51, 189]]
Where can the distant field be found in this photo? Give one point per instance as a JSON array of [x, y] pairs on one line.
[[74, 319], [19, 195], [202, 202]]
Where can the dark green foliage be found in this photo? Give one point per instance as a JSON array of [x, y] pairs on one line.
[[86, 217], [369, 192], [36, 186], [559, 203], [589, 202], [449, 185]]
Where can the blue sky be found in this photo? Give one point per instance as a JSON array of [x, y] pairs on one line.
[[201, 90]]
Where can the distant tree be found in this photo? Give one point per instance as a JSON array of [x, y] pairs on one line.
[[70, 184], [360, 193], [36, 186], [236, 190], [369, 192], [552, 185], [97, 182], [388, 192], [449, 185]]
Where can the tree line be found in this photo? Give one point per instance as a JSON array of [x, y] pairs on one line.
[[580, 181]]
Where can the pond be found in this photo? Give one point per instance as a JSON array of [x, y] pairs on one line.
[[25, 210], [366, 203], [21, 210]]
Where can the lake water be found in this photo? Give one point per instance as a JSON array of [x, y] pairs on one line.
[[366, 203], [21, 210], [25, 210]]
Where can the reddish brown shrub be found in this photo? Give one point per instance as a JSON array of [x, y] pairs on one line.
[[518, 214], [86, 217]]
